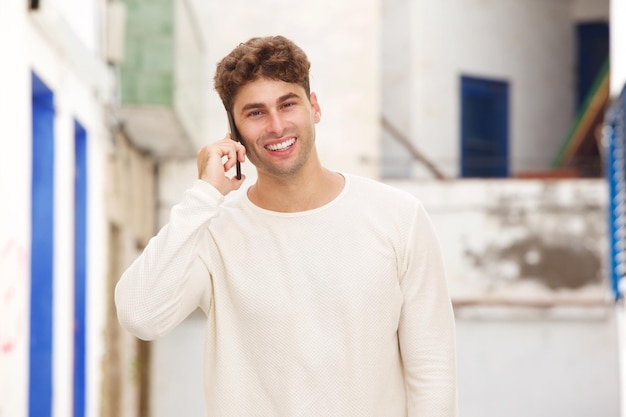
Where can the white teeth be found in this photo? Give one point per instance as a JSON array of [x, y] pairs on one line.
[[281, 146]]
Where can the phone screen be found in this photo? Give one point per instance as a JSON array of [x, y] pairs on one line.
[[234, 134]]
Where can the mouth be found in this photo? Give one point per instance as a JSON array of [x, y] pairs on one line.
[[281, 146]]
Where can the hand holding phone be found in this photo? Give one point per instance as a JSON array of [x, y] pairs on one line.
[[234, 135]]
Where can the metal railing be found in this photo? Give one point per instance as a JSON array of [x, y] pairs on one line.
[[615, 141]]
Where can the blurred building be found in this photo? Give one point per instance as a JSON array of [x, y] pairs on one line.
[[490, 112], [77, 205], [493, 89], [510, 97]]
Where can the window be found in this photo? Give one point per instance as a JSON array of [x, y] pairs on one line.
[[484, 128]]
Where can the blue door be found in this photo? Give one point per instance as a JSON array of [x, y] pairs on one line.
[[42, 251], [593, 51], [80, 268], [484, 128]]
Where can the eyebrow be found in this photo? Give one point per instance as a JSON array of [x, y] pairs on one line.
[[253, 106]]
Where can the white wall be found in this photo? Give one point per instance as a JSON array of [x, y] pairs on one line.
[[396, 104], [48, 46], [84, 18], [177, 380], [528, 44], [15, 218], [522, 362]]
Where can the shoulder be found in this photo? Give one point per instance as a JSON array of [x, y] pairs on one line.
[[368, 188], [384, 202]]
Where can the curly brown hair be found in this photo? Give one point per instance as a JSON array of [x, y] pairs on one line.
[[272, 57]]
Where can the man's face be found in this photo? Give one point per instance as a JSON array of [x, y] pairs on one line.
[[276, 122]]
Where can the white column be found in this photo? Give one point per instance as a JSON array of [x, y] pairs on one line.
[[618, 46], [15, 188], [63, 340]]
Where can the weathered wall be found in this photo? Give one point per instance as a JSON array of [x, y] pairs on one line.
[[521, 240], [131, 203]]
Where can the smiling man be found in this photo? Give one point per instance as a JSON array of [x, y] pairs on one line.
[[325, 293]]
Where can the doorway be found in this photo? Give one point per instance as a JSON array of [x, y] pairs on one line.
[[484, 128]]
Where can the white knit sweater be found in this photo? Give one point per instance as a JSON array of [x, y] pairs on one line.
[[337, 311]]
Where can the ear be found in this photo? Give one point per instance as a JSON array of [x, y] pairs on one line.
[[317, 112]]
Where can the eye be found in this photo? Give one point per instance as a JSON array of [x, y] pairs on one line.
[[254, 113], [289, 104]]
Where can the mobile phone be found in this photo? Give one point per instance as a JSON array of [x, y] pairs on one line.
[[234, 134]]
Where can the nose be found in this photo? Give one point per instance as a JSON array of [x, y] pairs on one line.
[[276, 124]]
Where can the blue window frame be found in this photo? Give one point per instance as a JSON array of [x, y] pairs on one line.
[[42, 250], [80, 268]]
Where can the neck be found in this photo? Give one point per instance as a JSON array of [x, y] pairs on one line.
[[308, 189]]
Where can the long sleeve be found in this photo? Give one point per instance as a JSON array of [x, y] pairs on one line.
[[426, 330], [168, 280]]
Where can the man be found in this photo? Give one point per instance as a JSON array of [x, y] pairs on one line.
[[325, 293]]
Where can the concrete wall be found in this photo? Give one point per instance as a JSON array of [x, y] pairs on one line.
[[521, 240], [131, 203], [48, 45], [531, 45], [522, 362]]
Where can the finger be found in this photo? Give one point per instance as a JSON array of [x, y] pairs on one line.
[[221, 149], [231, 159], [241, 153], [229, 164], [236, 181]]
